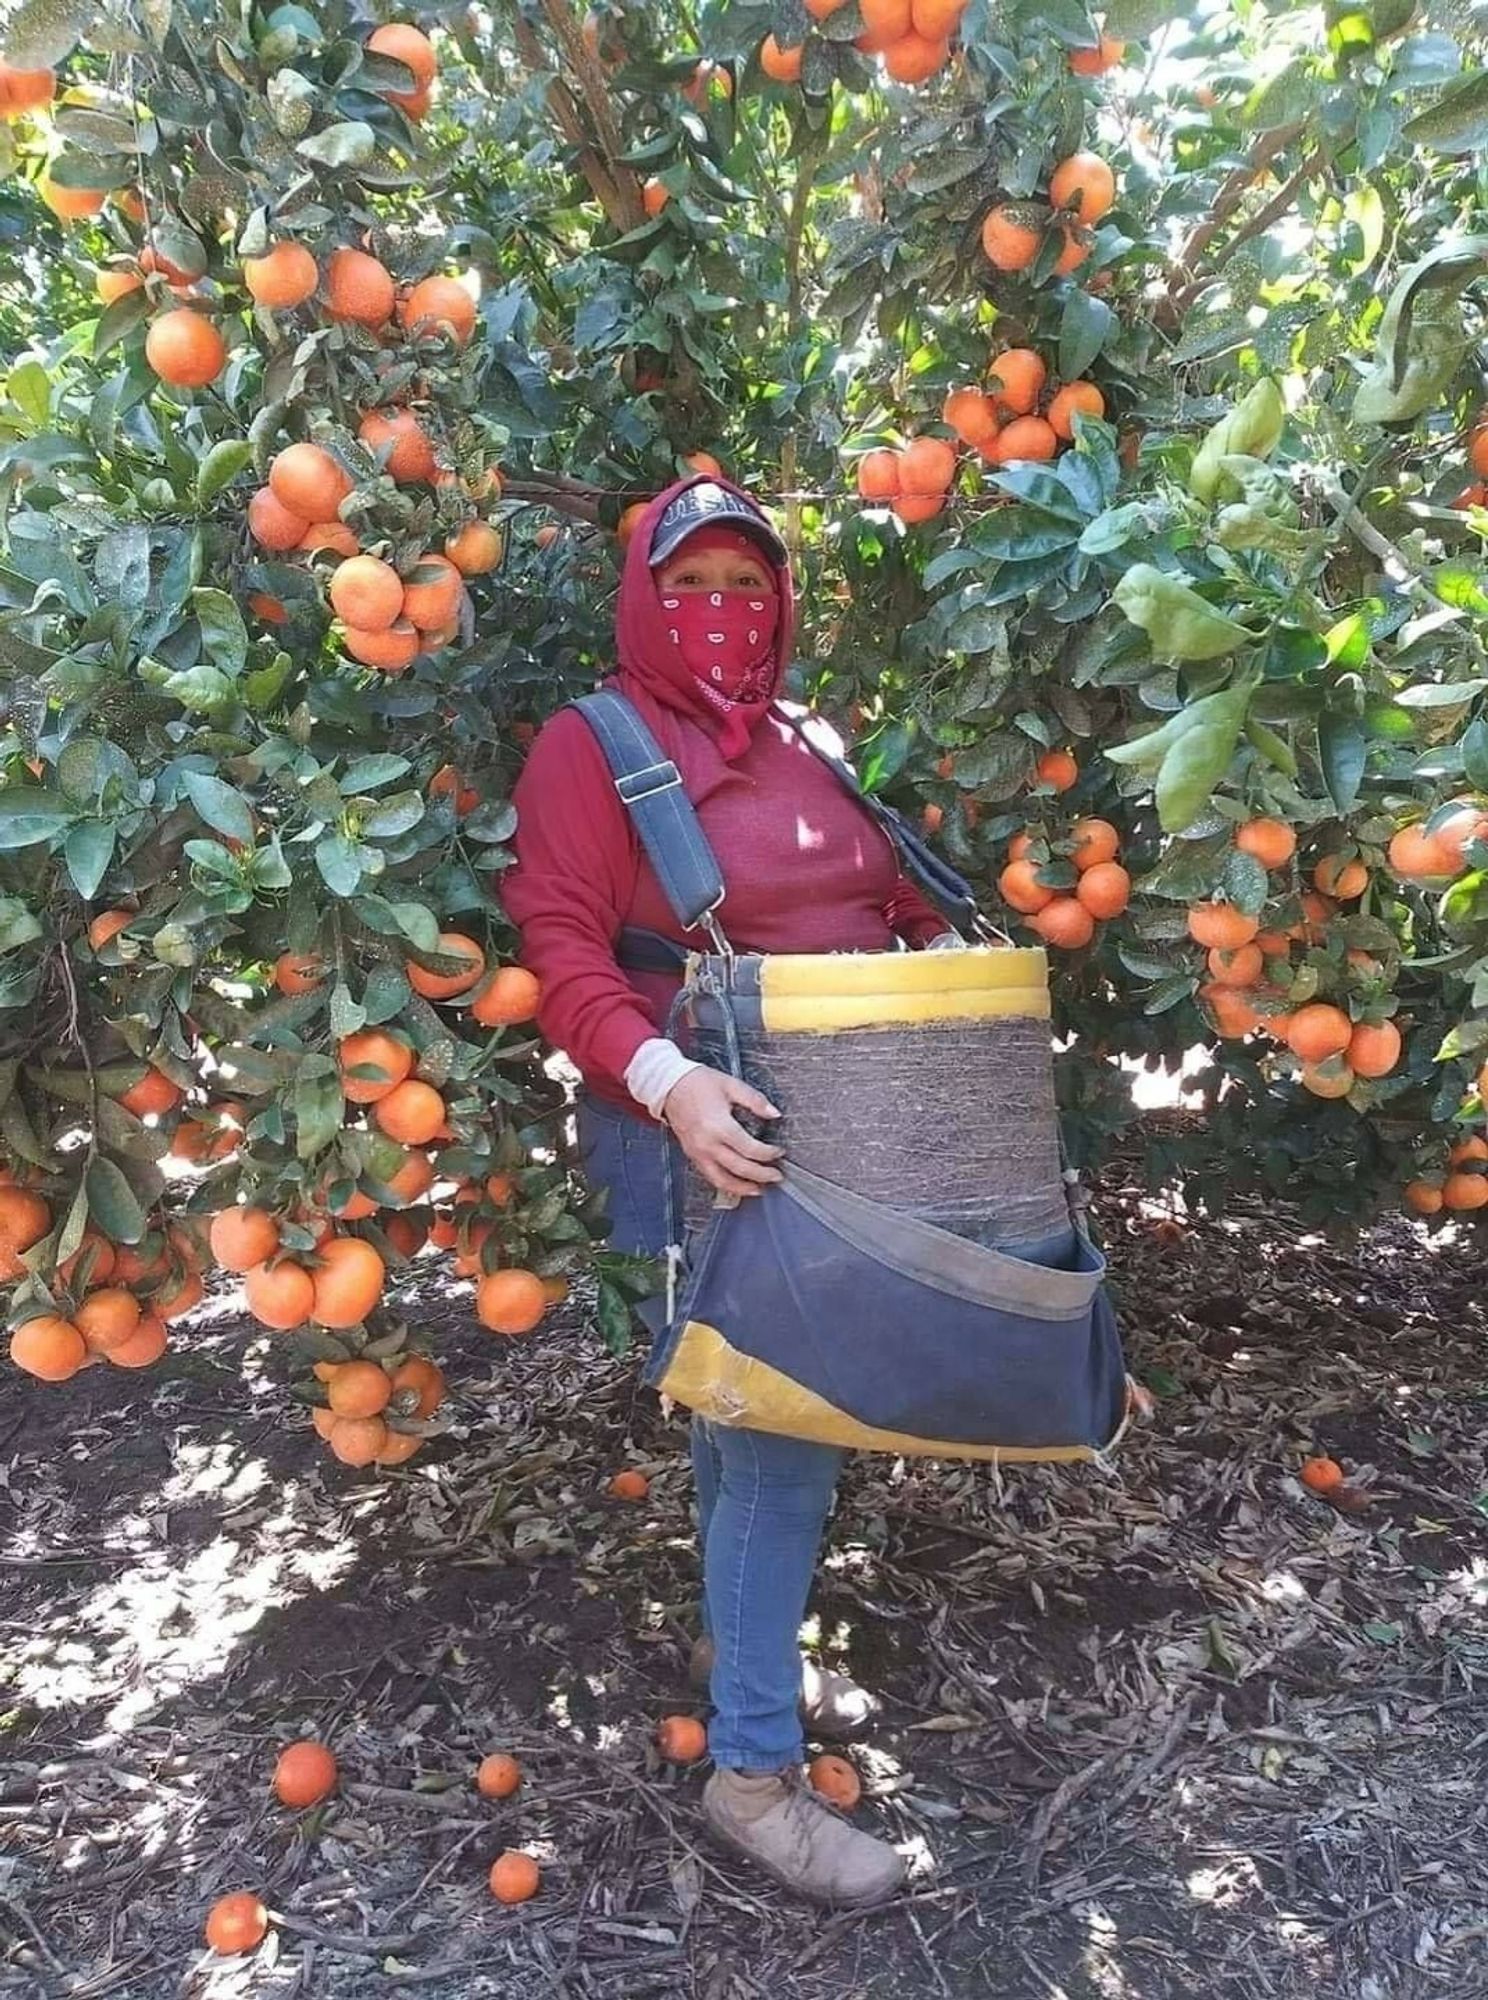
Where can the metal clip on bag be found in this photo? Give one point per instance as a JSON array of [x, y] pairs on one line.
[[917, 1282]]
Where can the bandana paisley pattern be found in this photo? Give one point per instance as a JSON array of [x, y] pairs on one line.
[[726, 639]]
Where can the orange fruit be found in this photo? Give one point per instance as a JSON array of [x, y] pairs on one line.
[[926, 467], [24, 1220], [1024, 438], [1085, 183], [397, 1447], [510, 1301], [1474, 1147], [681, 1739], [185, 350], [782, 65], [446, 985], [432, 600], [1468, 498], [555, 1290], [406, 1233], [1464, 1190], [1329, 1078], [236, 1923], [497, 1776], [1340, 878], [915, 507], [1239, 968], [112, 285], [514, 1877], [306, 480], [367, 593], [1467, 823], [297, 972], [1095, 62], [1220, 926], [887, 21], [391, 650], [412, 1113], [1095, 840], [1271, 841], [175, 1303], [1057, 769], [1065, 922], [243, 1237], [413, 1179], [654, 196], [409, 46], [936, 20], [1233, 1015], [358, 1440], [23, 91], [1374, 1048], [153, 1094], [359, 1388], [272, 610], [410, 455], [107, 1318], [102, 1260], [347, 1282], [284, 276], [144, 1346], [332, 536], [279, 1295], [1021, 889], [48, 1347], [629, 521], [1477, 447], [271, 523], [447, 783], [1018, 375], [878, 475], [68, 204], [425, 1378], [1416, 856], [1318, 1031], [438, 305], [501, 1187], [970, 414], [1074, 399], [915, 58], [630, 1485], [1105, 889], [108, 924], [1321, 1475], [1424, 1197], [836, 1780], [475, 549], [374, 1049], [304, 1775], [1010, 239], [512, 994], [1077, 247], [705, 463], [359, 288], [823, 10]]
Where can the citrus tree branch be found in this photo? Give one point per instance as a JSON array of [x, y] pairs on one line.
[[1256, 225], [595, 90], [566, 114]]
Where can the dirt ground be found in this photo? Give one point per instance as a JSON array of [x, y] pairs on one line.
[[1176, 1729]]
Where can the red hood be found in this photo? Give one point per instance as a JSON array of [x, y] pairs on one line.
[[649, 659]]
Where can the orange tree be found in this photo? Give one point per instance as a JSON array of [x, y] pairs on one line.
[[1115, 380]]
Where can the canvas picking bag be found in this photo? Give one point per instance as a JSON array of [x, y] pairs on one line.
[[917, 1281]]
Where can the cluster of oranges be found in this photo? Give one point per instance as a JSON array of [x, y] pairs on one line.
[[1245, 963], [912, 36], [914, 480], [1433, 856], [306, 1774], [1082, 190], [1013, 417], [1462, 1186], [1037, 879]]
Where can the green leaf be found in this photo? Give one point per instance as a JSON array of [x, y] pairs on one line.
[[367, 773], [1457, 122], [224, 635], [219, 804], [318, 1106], [394, 816], [1342, 750], [18, 925], [43, 33], [220, 468], [88, 850], [1084, 328], [27, 816], [349, 144], [346, 1016], [339, 863], [1196, 764], [1475, 753], [29, 387], [113, 1202], [1135, 20]]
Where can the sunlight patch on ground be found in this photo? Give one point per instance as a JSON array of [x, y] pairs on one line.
[[1283, 1586], [1098, 1957], [1224, 1884], [1164, 1089]]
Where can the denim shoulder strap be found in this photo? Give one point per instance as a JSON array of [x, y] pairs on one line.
[[650, 787], [949, 890]]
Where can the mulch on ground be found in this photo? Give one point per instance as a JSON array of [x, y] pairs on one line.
[[1173, 1729]]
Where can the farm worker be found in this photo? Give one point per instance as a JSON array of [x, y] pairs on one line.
[[704, 628]]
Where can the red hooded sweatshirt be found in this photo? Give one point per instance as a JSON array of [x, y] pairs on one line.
[[806, 869]]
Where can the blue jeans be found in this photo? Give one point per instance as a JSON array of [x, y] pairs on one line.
[[762, 1500]]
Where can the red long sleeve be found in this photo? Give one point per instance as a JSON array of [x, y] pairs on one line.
[[570, 893], [910, 916]]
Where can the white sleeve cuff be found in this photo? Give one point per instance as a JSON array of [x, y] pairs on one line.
[[947, 941], [655, 1070]]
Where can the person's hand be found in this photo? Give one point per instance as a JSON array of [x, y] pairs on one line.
[[700, 1111]]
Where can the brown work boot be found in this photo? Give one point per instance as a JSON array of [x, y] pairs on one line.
[[832, 1706], [774, 1820]]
